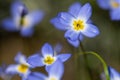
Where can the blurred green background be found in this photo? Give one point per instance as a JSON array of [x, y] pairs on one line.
[[107, 44]]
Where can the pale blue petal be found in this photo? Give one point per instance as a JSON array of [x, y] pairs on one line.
[[20, 58], [47, 68], [9, 25], [64, 57], [90, 31], [24, 78], [56, 70], [74, 43], [115, 14], [66, 18], [27, 32], [1, 70], [35, 16], [58, 48], [114, 75], [118, 1], [47, 50], [72, 35], [89, 21], [64, 22], [74, 9], [56, 22], [36, 76], [81, 37], [12, 69], [17, 8], [85, 12], [104, 4], [25, 75], [35, 60]]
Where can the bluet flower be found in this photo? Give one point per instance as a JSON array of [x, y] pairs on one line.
[[114, 75], [113, 6], [22, 20], [48, 57], [3, 74], [55, 73], [76, 22], [22, 67]]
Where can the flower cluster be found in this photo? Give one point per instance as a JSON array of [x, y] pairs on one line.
[[76, 22], [113, 6], [49, 58], [55, 72]]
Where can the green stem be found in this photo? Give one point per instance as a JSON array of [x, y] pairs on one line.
[[76, 64], [103, 62], [86, 61]]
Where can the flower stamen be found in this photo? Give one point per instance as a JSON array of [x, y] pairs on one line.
[[52, 78], [23, 21], [115, 4], [78, 25], [49, 60], [22, 68]]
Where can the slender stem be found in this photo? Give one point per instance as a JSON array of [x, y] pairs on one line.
[[76, 64], [82, 48], [103, 62], [86, 61]]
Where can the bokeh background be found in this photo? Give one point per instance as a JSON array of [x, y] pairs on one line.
[[107, 44]]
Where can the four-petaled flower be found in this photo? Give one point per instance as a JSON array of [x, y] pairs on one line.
[[77, 23], [55, 73], [48, 57], [113, 6], [22, 20], [114, 75], [22, 67]]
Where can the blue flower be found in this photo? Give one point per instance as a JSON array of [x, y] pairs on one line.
[[113, 6], [3, 74], [114, 75], [55, 73], [48, 57], [22, 67], [22, 20], [76, 22]]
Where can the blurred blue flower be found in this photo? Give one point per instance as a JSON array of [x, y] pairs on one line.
[[22, 20], [22, 67], [55, 72], [48, 57], [3, 74], [113, 6], [76, 22], [114, 75]]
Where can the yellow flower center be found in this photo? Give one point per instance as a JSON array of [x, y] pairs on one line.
[[23, 22], [22, 68], [52, 78], [78, 25], [115, 4], [49, 60]]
